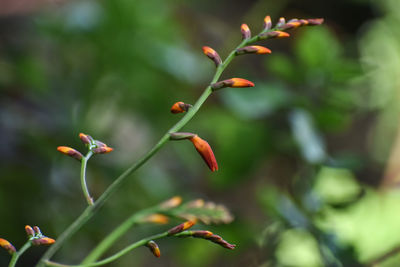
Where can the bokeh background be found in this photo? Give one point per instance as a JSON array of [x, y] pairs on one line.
[[309, 158]]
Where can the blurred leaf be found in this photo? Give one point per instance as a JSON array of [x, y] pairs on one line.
[[281, 66]]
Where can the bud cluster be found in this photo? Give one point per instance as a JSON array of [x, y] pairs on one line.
[[207, 235], [36, 237]]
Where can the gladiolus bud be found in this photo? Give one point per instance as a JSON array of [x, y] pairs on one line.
[[43, 241], [233, 82], [246, 33], [180, 107], [102, 150], [156, 218], [212, 54], [181, 227], [85, 138], [273, 34], [70, 152], [281, 22], [171, 203], [313, 22], [29, 231], [205, 152], [7, 246], [267, 23], [253, 49], [154, 248]]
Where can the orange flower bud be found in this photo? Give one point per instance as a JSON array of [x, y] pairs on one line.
[[171, 203], [267, 23], [102, 150], [281, 22], [313, 22], [7, 246], [46, 241], [29, 231], [233, 82], [253, 49], [70, 152], [156, 218], [246, 33], [205, 152], [202, 234], [85, 138], [37, 230], [292, 24], [181, 227], [180, 107], [154, 248], [273, 34], [212, 54]]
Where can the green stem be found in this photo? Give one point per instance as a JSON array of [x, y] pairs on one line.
[[113, 257], [107, 242], [91, 210], [85, 189], [17, 254]]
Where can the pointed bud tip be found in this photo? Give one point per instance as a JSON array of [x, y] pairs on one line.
[[239, 82], [29, 231], [205, 151]]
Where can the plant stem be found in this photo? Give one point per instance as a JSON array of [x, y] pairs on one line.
[[92, 209], [107, 242], [113, 257], [85, 189], [17, 254]]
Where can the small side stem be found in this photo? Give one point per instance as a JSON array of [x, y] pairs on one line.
[[17, 254], [85, 189], [113, 257]]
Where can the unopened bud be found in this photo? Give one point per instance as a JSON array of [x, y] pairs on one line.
[[202, 234], [37, 230], [281, 22], [246, 33], [102, 150], [267, 23], [85, 138], [181, 227], [313, 22], [156, 218], [46, 241], [171, 203], [7, 246], [273, 34], [292, 24], [70, 152], [233, 82], [180, 107], [212, 54], [29, 231], [205, 151], [154, 248], [253, 49]]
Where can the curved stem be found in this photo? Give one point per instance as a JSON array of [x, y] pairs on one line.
[[91, 210], [17, 254], [113, 257], [85, 189]]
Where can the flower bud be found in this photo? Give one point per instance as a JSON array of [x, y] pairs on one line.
[[273, 34], [267, 23], [102, 150], [253, 49], [202, 234], [218, 240], [233, 82], [180, 107], [313, 22], [154, 248], [85, 138], [281, 22], [70, 152], [37, 230], [171, 203], [246, 33], [7, 246], [212, 54], [181, 227], [292, 24], [29, 231], [156, 218], [46, 241], [205, 151]]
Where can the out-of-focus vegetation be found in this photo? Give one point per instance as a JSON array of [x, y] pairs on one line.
[[308, 158]]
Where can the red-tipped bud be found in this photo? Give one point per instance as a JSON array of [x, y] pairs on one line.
[[205, 152], [233, 82], [7, 246], [37, 230], [253, 49], [181, 227], [273, 34], [246, 33], [156, 218], [281, 22], [180, 107], [267, 23], [292, 24], [202, 234], [29, 231], [313, 22], [102, 150], [212, 54], [154, 248], [85, 138], [171, 203], [46, 241], [218, 240], [70, 152]]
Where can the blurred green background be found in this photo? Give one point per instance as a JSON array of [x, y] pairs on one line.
[[309, 157]]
